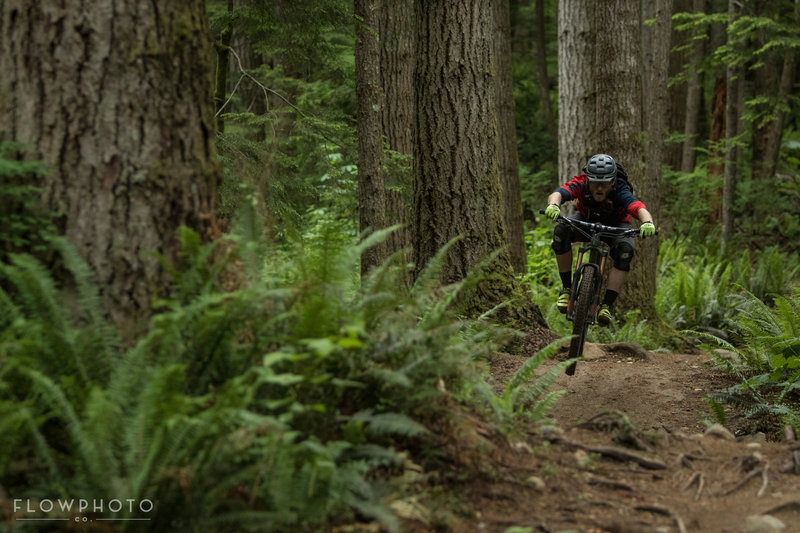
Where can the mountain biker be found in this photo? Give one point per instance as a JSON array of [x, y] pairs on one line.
[[601, 197]]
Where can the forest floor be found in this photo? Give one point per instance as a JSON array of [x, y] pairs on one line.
[[629, 451]]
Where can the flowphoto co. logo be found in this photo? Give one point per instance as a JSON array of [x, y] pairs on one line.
[[81, 510]]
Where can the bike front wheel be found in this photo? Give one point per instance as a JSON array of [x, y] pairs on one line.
[[581, 317]]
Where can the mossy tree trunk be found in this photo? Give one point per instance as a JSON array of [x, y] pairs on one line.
[[116, 98], [457, 189]]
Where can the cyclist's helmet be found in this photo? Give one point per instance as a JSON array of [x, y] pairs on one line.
[[601, 167]]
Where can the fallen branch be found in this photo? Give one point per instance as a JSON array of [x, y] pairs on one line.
[[665, 512]]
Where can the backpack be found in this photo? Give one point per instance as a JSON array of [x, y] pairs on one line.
[[622, 175]]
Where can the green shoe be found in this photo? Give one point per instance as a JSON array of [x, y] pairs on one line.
[[604, 315], [563, 300]]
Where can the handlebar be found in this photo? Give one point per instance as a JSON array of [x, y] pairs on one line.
[[596, 227]]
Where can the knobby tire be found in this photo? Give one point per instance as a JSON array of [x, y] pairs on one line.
[[580, 320]]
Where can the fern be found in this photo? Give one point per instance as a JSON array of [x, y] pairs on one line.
[[718, 410], [390, 424], [87, 452], [527, 370]]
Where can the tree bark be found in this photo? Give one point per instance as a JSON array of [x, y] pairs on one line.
[[678, 92], [507, 137], [541, 70], [223, 49], [641, 283], [716, 167], [457, 190], [116, 98], [576, 89], [734, 85], [694, 100], [766, 139], [397, 81], [371, 194], [619, 125]]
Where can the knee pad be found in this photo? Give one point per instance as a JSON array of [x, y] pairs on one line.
[[562, 239], [622, 255]]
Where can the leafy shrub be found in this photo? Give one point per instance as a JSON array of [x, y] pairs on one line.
[[26, 225], [702, 290], [269, 406], [767, 358]]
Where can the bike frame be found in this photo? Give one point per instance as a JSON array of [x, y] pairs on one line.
[[584, 300], [598, 256]]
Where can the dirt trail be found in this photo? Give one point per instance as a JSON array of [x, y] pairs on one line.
[[633, 455]]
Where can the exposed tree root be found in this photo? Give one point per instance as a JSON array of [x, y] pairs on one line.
[[750, 475], [663, 511], [615, 453], [793, 505], [609, 483], [617, 423], [701, 481]]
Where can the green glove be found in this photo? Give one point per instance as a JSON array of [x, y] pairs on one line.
[[647, 230], [552, 212]]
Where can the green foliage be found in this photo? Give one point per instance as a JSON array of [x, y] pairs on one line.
[[26, 225], [693, 292], [629, 328], [699, 289], [525, 394], [270, 405], [289, 140], [305, 34], [767, 358]]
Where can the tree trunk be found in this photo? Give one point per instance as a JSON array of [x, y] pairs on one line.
[[542, 76], [116, 98], [694, 99], [457, 191], [732, 111], [767, 134], [716, 166], [371, 195], [641, 283], [396, 35], [507, 138], [223, 49], [678, 92], [619, 126], [576, 89]]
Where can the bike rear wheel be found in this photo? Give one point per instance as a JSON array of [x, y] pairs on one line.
[[581, 318]]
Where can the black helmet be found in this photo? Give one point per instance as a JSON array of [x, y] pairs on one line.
[[601, 167]]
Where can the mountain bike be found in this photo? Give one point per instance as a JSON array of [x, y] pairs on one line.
[[587, 278]]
